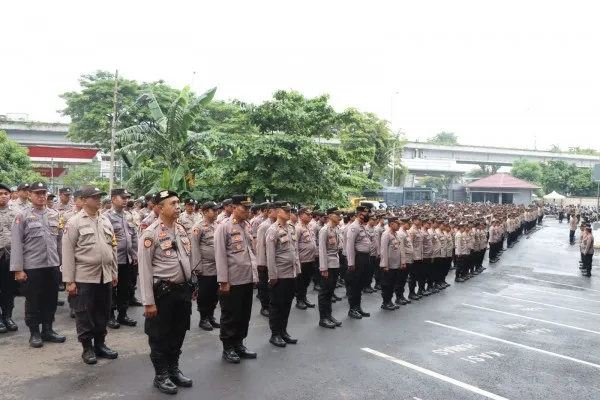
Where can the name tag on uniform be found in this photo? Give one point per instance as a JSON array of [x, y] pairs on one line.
[[284, 239]]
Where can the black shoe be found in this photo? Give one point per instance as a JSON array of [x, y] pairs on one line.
[[9, 323], [336, 297], [214, 323], [326, 323], [265, 312], [377, 287], [363, 313], [586, 273], [103, 351], [354, 314], [3, 328], [413, 296], [112, 323], [335, 321], [388, 307], [368, 290], [89, 355], [476, 272], [432, 289], [35, 340], [61, 287], [60, 302], [72, 313], [402, 301], [317, 287], [133, 302], [205, 325], [277, 340], [164, 384], [231, 356], [301, 305], [243, 352], [48, 335], [459, 279], [178, 378], [309, 304], [125, 320], [288, 339]]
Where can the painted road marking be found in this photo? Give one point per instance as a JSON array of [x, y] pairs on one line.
[[562, 295], [434, 374], [543, 304], [533, 319], [549, 353], [555, 283]]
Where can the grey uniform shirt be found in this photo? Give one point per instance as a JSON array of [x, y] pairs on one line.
[[427, 244], [439, 248], [357, 239], [417, 241], [63, 208], [408, 246], [374, 247], [261, 237], [35, 239], [18, 205], [89, 254], [146, 222], [392, 250], [203, 248], [329, 248], [69, 214], [188, 221], [7, 216], [449, 244], [124, 228], [234, 256], [307, 246], [160, 251], [282, 259], [379, 229], [255, 223]]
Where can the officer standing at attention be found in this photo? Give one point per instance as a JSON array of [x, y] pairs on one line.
[[358, 246], [573, 227], [127, 258], [329, 266], [64, 204], [283, 267], [77, 206], [204, 266], [167, 289], [189, 217], [22, 201], [236, 273], [392, 259], [35, 259], [261, 260], [90, 271], [307, 251], [7, 278], [406, 240], [227, 210]]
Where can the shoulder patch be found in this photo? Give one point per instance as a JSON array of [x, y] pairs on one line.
[[147, 243], [196, 231], [18, 220]]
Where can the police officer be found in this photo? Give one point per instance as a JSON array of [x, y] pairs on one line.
[[64, 204], [50, 197], [403, 273], [35, 259], [150, 217], [22, 201], [204, 266], [90, 271], [261, 260], [236, 273], [189, 217], [227, 210], [77, 206], [283, 267], [392, 260], [165, 281], [124, 228], [358, 246], [307, 251], [263, 210], [7, 278], [416, 271], [329, 265]]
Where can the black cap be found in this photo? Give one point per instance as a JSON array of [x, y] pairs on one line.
[[38, 186], [351, 214], [23, 186], [242, 199], [149, 197], [211, 205], [120, 192], [89, 191], [294, 211], [77, 193], [360, 209], [5, 187], [65, 190], [190, 202], [334, 210], [304, 210], [405, 220], [284, 205], [392, 219], [163, 195], [263, 206]]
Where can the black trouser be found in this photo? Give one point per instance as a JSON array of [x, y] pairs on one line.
[[303, 280], [587, 262], [122, 294], [8, 286], [461, 269], [389, 280], [572, 236], [357, 279], [133, 281], [435, 271], [263, 287], [236, 308], [377, 271], [447, 265], [401, 280], [208, 295], [343, 265], [326, 293], [370, 272], [424, 271], [561, 215], [92, 305], [316, 275], [282, 295], [166, 331], [41, 295]]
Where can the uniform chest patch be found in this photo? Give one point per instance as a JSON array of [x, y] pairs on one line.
[[147, 243]]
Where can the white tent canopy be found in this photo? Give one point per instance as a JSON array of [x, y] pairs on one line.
[[554, 196]]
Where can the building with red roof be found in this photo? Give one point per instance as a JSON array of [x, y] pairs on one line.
[[501, 189]]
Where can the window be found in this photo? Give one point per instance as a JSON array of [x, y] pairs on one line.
[[410, 195]]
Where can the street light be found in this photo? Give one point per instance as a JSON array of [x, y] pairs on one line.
[[395, 136]]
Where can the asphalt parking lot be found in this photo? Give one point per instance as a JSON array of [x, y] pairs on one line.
[[527, 328]]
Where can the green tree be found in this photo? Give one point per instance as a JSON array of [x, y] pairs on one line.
[[86, 174], [444, 138], [15, 165], [529, 171], [556, 175], [584, 151], [441, 183], [555, 149]]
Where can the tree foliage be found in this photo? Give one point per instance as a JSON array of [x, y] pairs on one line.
[[15, 165], [529, 171], [444, 138], [87, 174]]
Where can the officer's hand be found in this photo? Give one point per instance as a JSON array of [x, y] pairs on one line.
[[403, 266], [386, 270], [351, 268], [150, 311], [225, 288], [325, 274], [115, 281], [20, 276], [135, 262], [272, 283], [72, 289]]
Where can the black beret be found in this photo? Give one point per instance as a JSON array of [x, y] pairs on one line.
[[334, 210], [163, 195], [65, 190], [242, 199], [120, 192], [5, 187], [211, 205]]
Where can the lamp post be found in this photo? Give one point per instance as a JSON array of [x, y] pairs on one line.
[[395, 136]]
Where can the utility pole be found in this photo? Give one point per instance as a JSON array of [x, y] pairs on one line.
[[113, 131], [395, 137]]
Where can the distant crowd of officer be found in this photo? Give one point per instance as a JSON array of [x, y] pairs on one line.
[[217, 253]]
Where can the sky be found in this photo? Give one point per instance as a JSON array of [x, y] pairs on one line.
[[521, 74]]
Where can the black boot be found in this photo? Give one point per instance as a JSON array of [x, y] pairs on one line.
[[48, 335], [288, 339], [277, 340], [176, 376], [362, 313], [3, 328], [412, 295], [72, 313], [265, 312], [161, 378], [89, 355], [214, 323], [388, 306], [133, 302], [230, 355], [125, 320], [243, 352], [301, 305], [402, 301], [205, 325], [335, 321], [35, 340], [353, 313], [335, 297], [309, 304], [60, 302], [103, 351], [8, 322], [326, 323], [112, 322]]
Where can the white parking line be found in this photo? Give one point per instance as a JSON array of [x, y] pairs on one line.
[[543, 304], [434, 374], [555, 283], [533, 319], [549, 353], [562, 295]]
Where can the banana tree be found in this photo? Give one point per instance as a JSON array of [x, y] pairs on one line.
[[164, 149]]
